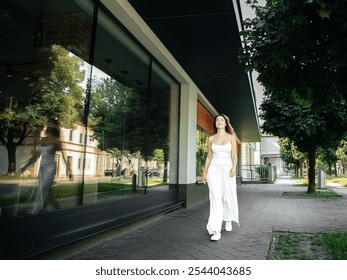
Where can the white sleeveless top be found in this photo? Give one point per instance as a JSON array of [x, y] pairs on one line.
[[47, 153], [221, 154]]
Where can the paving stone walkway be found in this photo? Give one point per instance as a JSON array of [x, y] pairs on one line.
[[182, 235]]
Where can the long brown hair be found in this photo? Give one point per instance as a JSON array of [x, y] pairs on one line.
[[228, 127], [53, 128]]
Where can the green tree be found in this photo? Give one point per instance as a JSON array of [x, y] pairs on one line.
[[329, 157], [126, 119], [117, 116], [58, 92], [295, 47], [291, 155], [56, 95], [341, 152], [201, 151], [158, 156]]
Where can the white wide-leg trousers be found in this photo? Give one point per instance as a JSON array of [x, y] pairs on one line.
[[223, 197]]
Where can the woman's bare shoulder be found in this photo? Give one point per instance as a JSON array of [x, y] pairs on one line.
[[210, 138], [232, 137]]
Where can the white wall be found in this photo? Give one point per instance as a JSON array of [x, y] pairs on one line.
[[269, 146], [271, 150]]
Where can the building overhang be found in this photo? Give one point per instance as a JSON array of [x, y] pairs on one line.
[[203, 36]]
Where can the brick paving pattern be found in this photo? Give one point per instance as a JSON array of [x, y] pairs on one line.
[[182, 234]]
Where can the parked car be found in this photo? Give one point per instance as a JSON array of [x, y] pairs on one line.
[[153, 172], [110, 172]]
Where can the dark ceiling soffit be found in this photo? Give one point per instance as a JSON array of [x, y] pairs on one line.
[[212, 33]]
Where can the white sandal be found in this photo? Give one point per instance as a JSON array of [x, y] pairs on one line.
[[228, 226], [216, 236]]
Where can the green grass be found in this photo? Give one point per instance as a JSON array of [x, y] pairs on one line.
[[60, 190], [335, 244], [301, 182], [320, 193], [123, 185], [341, 180], [306, 246], [15, 177], [286, 246]]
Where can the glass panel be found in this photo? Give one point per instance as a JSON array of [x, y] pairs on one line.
[[201, 152], [130, 144], [130, 105], [44, 48], [117, 109], [163, 102]]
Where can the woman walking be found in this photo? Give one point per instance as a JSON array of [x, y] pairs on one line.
[[220, 173]]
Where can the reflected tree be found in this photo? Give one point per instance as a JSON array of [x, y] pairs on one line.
[[116, 113], [125, 119], [56, 94], [201, 151]]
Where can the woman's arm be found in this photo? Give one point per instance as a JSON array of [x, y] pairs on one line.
[[208, 159], [30, 162], [233, 155]]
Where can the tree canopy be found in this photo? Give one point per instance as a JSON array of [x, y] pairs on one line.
[[116, 114], [298, 51], [58, 93], [125, 119], [291, 155]]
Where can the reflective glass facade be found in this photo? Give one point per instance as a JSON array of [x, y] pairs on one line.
[[115, 108]]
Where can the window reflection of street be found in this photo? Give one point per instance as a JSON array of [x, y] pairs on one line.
[[14, 192], [118, 113]]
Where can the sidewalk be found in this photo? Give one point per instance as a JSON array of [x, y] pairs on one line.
[[182, 234]]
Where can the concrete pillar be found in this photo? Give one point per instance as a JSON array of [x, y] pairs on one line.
[[188, 190], [174, 127], [187, 149]]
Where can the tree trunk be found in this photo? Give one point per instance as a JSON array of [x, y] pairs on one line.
[[330, 168], [335, 167], [11, 145], [311, 170], [11, 154], [165, 167], [300, 169]]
